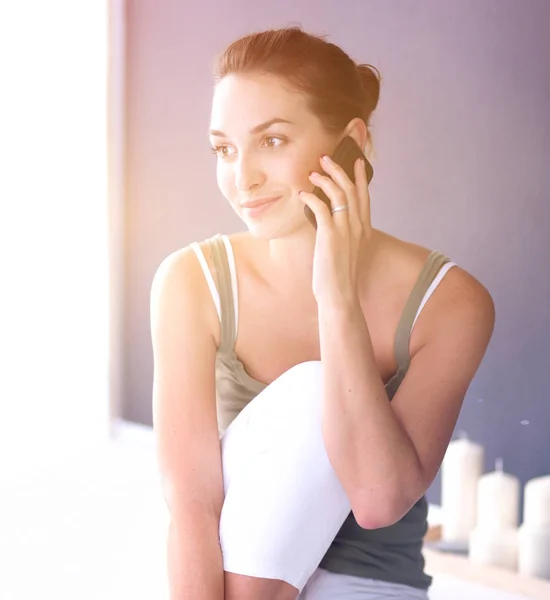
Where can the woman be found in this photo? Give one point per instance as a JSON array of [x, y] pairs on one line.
[[315, 355]]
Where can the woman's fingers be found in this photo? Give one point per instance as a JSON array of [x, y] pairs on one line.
[[319, 209], [336, 195], [363, 195]]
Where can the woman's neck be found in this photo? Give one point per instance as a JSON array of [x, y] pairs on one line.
[[286, 264]]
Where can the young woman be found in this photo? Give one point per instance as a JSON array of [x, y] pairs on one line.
[[307, 381]]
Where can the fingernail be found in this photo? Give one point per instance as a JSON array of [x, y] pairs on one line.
[[325, 158]]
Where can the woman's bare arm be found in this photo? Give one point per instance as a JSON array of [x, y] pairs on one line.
[[185, 426]]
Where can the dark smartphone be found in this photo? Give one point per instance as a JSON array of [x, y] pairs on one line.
[[345, 155]]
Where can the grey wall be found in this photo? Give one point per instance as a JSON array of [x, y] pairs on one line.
[[462, 137]]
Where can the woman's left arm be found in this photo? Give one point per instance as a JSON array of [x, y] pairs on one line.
[[387, 454]]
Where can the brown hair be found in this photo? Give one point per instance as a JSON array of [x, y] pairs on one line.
[[337, 88]]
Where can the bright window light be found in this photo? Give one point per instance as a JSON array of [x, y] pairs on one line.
[[53, 227]]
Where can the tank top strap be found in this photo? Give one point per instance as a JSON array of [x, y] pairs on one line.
[[429, 271], [222, 279]]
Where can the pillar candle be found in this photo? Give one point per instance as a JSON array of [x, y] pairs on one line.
[[495, 546], [536, 509], [494, 541], [534, 535], [498, 499], [460, 472], [534, 551]]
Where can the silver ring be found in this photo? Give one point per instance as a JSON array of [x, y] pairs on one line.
[[337, 208]]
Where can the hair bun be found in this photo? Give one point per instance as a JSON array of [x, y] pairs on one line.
[[370, 80]]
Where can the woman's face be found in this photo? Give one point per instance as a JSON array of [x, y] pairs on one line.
[[267, 142]]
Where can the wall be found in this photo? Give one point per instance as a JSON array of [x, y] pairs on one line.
[[462, 136]]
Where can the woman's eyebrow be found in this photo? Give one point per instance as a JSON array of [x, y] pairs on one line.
[[256, 129]]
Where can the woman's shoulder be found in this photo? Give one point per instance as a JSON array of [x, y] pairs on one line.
[[402, 261], [188, 262], [459, 296], [179, 263], [459, 282], [180, 278], [188, 259]]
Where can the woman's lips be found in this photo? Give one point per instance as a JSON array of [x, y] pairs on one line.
[[253, 208]]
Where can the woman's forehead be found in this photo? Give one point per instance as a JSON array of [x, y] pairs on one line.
[[248, 101]]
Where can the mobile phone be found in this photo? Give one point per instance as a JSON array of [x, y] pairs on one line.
[[347, 152]]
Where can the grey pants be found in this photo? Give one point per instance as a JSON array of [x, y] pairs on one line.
[[324, 585]]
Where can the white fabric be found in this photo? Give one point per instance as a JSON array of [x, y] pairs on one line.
[[283, 501], [431, 289], [209, 278]]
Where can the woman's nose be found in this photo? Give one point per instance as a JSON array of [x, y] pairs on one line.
[[248, 174]]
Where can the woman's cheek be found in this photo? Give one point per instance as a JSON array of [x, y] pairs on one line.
[[299, 174], [224, 181], [293, 170]]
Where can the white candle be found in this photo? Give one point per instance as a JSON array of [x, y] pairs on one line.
[[534, 535], [494, 541], [494, 546], [534, 551], [536, 509], [498, 499], [460, 472]]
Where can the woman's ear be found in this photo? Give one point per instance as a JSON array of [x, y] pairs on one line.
[[357, 130]]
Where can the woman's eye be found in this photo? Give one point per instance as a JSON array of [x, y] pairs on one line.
[[273, 141], [225, 151], [221, 151]]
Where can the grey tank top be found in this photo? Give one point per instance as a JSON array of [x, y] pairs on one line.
[[393, 553]]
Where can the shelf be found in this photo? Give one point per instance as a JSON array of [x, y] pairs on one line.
[[492, 577]]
